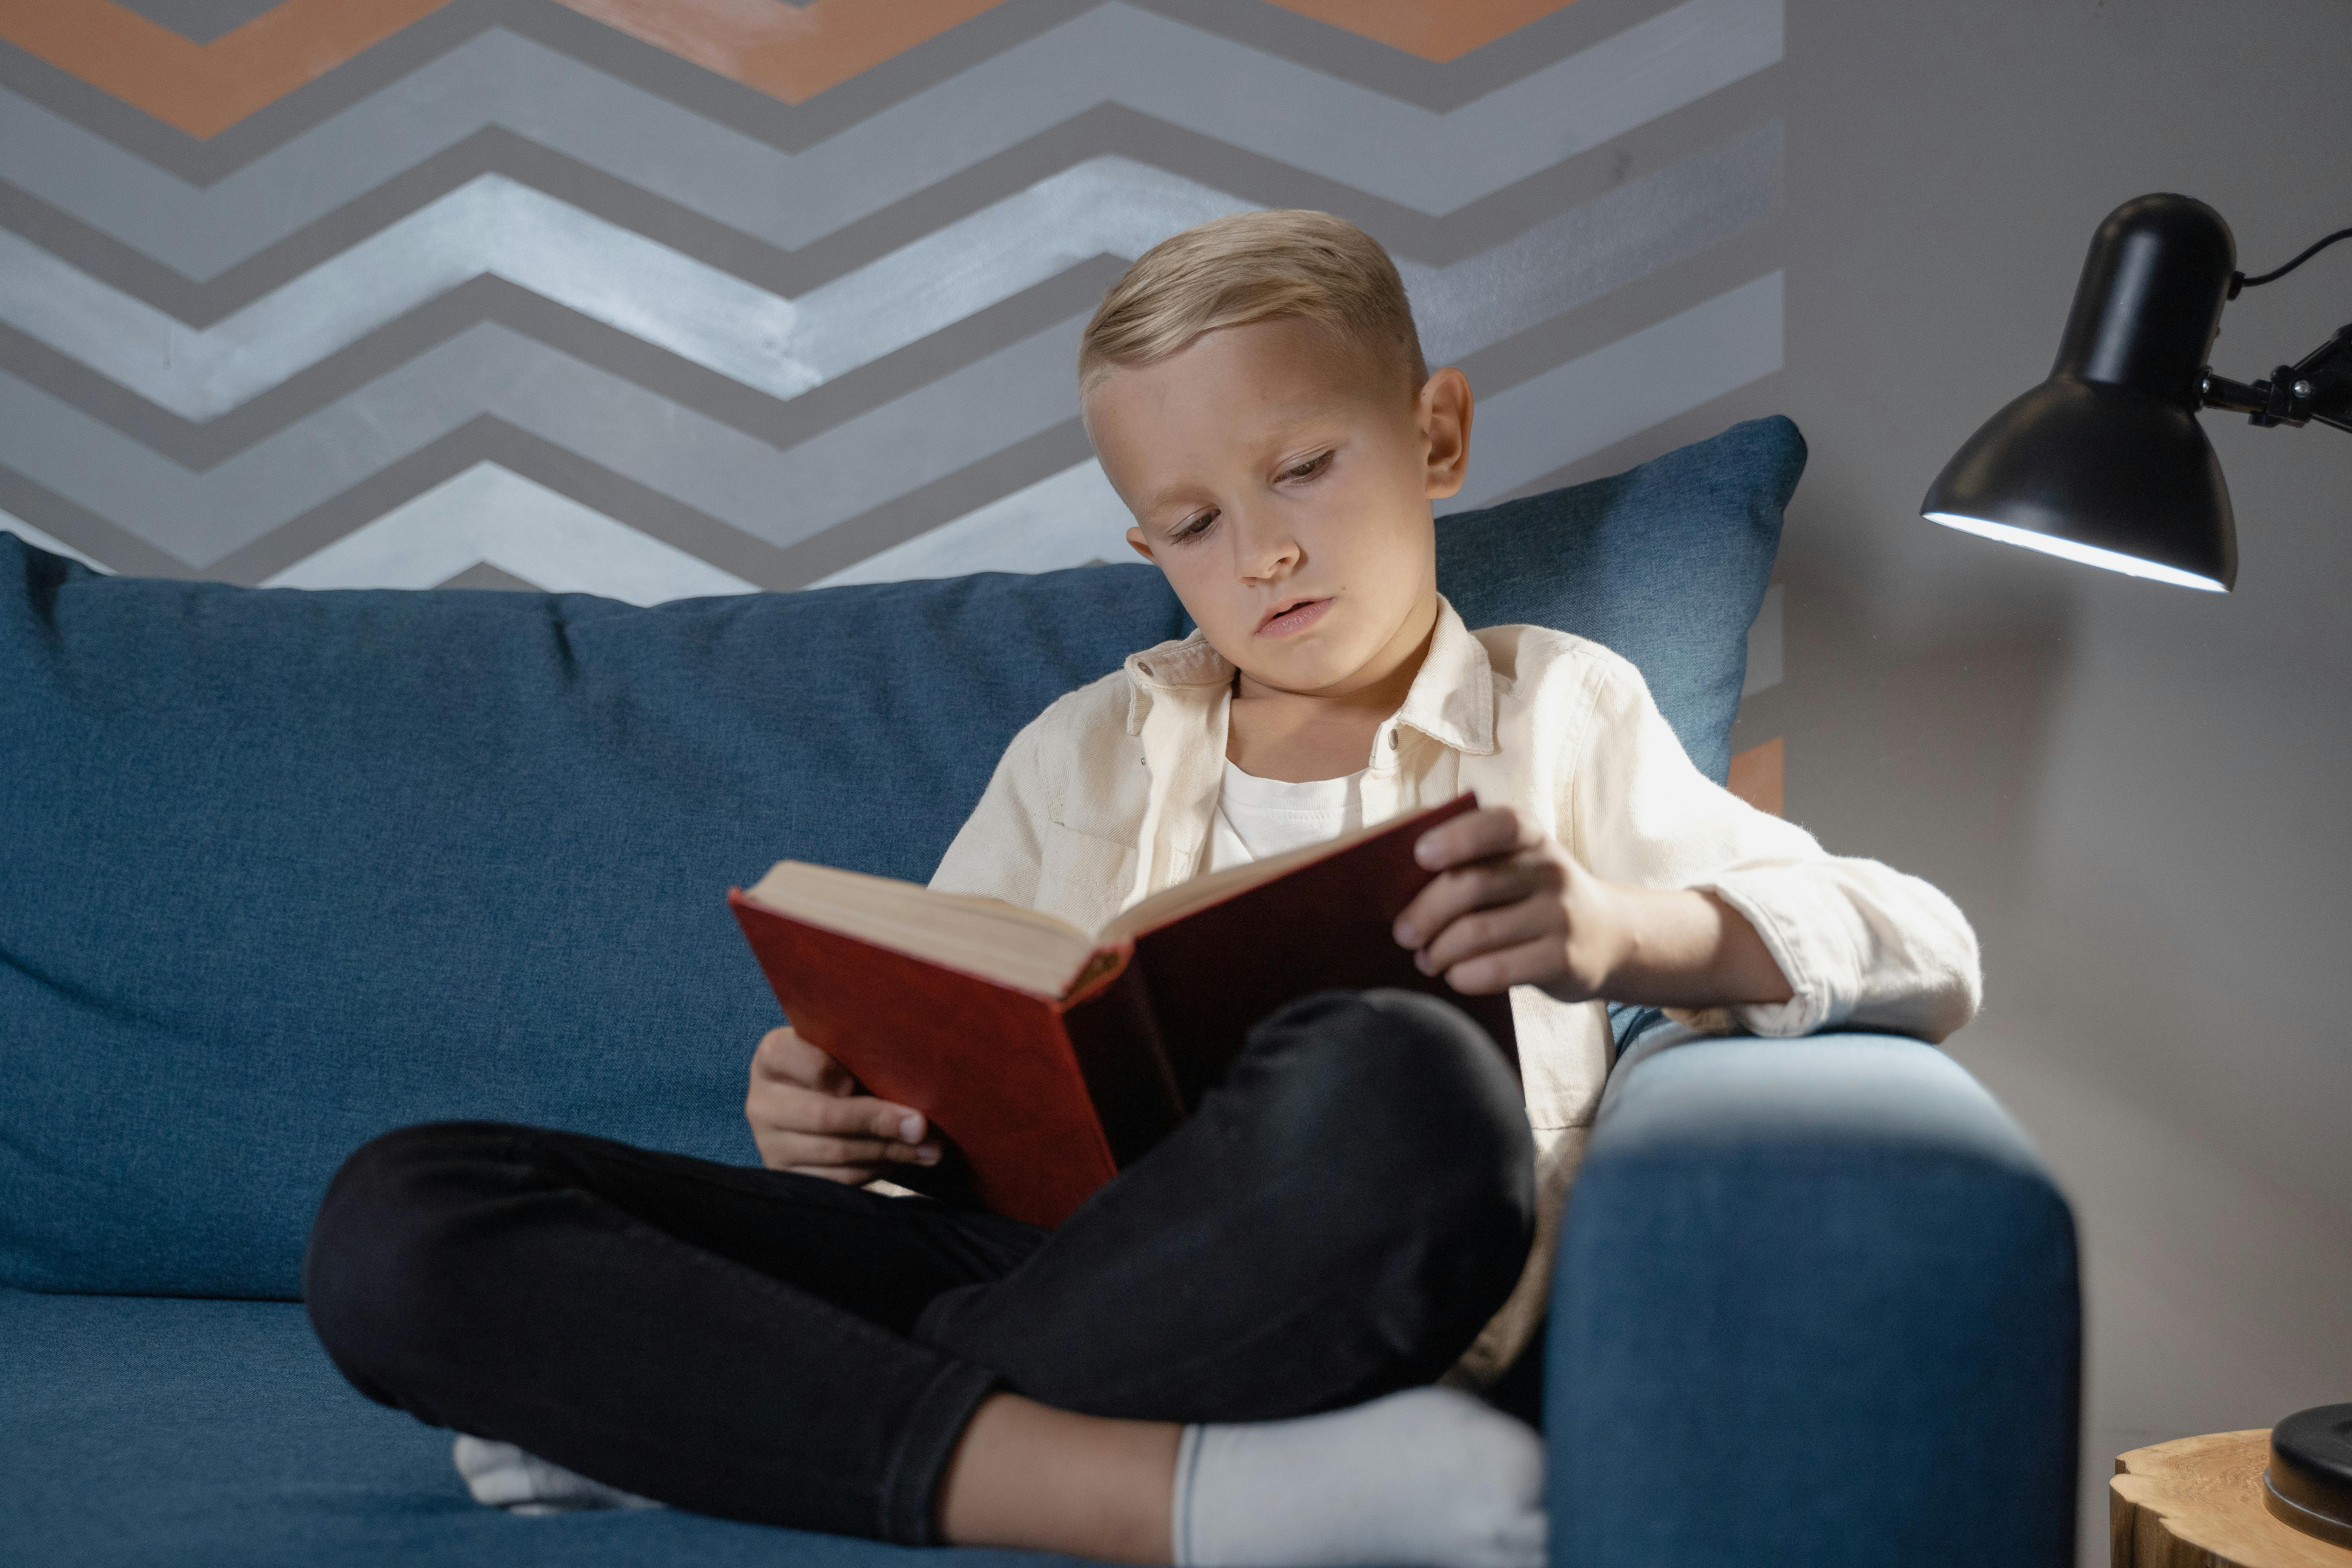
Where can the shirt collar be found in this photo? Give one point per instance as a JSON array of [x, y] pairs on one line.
[[1450, 701]]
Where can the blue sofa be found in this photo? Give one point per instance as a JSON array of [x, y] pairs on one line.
[[281, 870]]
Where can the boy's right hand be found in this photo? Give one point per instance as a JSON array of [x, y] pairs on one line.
[[808, 1115]]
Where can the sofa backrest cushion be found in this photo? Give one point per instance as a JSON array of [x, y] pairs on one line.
[[282, 870]]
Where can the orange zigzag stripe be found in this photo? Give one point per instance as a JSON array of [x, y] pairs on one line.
[[1436, 30], [791, 52], [203, 88]]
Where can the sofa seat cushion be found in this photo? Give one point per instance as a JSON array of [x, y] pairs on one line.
[[145, 1431], [281, 871]]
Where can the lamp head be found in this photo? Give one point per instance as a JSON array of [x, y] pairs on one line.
[[2104, 462]]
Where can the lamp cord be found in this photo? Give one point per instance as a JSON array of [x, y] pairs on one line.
[[2243, 281]]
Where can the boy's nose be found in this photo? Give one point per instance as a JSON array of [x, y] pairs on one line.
[[1265, 548]]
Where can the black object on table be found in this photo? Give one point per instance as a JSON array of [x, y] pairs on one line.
[[2309, 1482]]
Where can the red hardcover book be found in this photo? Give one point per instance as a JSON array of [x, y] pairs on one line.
[[1053, 1057]]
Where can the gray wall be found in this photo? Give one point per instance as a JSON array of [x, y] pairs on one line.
[[2136, 792]]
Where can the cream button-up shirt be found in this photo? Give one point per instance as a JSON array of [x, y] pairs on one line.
[[1109, 795]]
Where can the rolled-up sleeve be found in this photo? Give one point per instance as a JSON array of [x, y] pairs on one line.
[[1858, 943]]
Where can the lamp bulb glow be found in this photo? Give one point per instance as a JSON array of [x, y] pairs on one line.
[[2088, 554]]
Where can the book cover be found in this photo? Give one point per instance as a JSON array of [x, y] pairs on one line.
[[1047, 1097]]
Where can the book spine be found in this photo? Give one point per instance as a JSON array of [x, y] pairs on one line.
[[1124, 1062]]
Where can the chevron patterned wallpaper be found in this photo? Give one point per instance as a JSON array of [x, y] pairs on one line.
[[662, 297]]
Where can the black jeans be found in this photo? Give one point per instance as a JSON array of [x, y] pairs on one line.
[[1336, 1221]]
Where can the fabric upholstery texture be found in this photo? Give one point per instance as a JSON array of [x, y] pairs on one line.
[[1799, 1242], [281, 870], [1816, 1305], [137, 1433]]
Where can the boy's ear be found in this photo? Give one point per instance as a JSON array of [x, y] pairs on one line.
[[1444, 410], [1134, 537]]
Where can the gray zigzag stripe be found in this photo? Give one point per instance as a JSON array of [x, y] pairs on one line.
[[201, 21], [787, 349], [787, 127], [1106, 128], [1527, 433], [956, 419], [200, 446], [853, 467], [1431, 163], [486, 438]]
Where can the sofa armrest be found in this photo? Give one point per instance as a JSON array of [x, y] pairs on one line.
[[1816, 1303]]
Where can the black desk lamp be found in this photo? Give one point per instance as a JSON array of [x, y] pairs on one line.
[[2104, 463]]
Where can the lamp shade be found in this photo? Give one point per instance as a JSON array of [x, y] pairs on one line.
[[2104, 462]]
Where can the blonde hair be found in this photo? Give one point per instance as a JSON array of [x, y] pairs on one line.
[[1289, 264]]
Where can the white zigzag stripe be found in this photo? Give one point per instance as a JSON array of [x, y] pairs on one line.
[[1432, 162], [494, 226], [487, 514], [783, 347]]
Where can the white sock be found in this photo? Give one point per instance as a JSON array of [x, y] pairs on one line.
[[1428, 1477], [505, 1477]]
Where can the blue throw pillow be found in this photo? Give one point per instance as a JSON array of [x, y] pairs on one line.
[[280, 870], [1665, 564]]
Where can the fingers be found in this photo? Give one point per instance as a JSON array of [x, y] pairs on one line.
[[794, 1109], [1481, 885], [1479, 834], [1533, 963], [783, 1056], [1493, 928], [789, 1109], [826, 1128], [809, 1150], [787, 1142]]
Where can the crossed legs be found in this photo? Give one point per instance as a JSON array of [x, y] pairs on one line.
[[1336, 1222]]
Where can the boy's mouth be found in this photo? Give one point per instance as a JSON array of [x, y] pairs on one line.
[[1292, 615]]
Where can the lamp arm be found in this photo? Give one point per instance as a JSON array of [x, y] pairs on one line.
[[2317, 386]]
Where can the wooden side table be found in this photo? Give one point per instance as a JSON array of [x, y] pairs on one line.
[[2197, 1502]]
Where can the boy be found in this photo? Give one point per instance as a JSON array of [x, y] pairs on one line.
[[1226, 1357]]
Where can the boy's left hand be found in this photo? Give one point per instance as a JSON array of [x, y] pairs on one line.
[[1511, 907]]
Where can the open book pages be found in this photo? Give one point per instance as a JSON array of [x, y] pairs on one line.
[[1171, 904], [987, 937], [997, 941]]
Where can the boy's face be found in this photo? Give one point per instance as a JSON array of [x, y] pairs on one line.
[[1283, 481]]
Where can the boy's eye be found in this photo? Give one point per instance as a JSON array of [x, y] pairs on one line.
[[1308, 469], [1194, 527]]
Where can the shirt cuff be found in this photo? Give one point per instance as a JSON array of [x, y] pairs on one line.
[[1811, 1002]]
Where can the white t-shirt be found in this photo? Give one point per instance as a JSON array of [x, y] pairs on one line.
[[1258, 818]]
